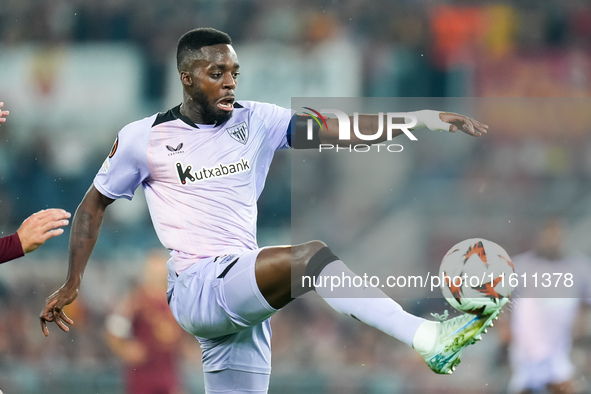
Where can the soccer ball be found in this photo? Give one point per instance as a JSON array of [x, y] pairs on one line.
[[476, 276]]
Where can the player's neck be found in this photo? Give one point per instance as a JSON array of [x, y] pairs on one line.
[[192, 113]]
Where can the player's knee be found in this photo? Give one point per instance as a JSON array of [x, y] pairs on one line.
[[311, 259], [301, 254], [277, 259], [285, 261], [306, 250]]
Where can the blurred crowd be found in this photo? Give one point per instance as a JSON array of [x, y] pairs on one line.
[[404, 49], [447, 37], [448, 188]]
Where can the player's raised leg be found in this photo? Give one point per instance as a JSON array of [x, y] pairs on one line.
[[313, 259], [440, 343]]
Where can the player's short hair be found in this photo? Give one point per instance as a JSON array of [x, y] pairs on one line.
[[191, 42]]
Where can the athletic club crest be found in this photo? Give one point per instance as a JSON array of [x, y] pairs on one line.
[[239, 132]]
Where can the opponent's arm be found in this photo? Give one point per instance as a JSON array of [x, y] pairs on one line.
[[85, 230], [3, 114], [34, 231], [119, 333], [41, 226]]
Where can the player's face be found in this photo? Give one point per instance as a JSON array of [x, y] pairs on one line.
[[550, 239], [214, 83]]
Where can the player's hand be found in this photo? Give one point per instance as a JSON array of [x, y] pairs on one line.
[[41, 226], [54, 308], [466, 124], [3, 114]]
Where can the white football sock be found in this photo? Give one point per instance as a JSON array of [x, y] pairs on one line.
[[425, 337], [367, 304]]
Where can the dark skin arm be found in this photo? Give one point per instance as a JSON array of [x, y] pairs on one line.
[[85, 230], [368, 124]]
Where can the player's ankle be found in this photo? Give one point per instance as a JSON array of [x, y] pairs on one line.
[[425, 337]]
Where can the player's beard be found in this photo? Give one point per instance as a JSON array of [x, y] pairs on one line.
[[209, 111]]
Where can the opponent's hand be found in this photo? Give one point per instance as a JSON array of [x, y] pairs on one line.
[[41, 226], [3, 114], [54, 309], [466, 124]]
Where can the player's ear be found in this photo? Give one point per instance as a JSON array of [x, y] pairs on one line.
[[186, 78]]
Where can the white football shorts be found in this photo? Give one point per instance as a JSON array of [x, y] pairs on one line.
[[217, 300]]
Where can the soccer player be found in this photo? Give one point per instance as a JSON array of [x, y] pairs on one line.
[[142, 331], [35, 230], [202, 165], [542, 323]]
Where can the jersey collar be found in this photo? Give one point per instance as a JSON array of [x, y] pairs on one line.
[[176, 112]]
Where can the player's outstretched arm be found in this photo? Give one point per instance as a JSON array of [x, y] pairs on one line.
[[368, 124], [41, 226], [85, 230], [463, 123], [3, 114]]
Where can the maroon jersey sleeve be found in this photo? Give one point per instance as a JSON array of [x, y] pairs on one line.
[[10, 248]]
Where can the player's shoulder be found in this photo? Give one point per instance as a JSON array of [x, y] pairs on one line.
[[160, 118], [266, 113], [578, 256], [258, 107], [580, 261], [139, 126]]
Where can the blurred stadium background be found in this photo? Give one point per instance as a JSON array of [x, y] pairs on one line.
[[72, 73]]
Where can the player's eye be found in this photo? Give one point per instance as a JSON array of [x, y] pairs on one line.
[[216, 75], [235, 75]]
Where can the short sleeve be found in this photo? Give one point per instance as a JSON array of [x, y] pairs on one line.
[[276, 119], [126, 167], [280, 127]]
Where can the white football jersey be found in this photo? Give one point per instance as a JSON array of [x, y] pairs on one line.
[[201, 182], [542, 317]]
